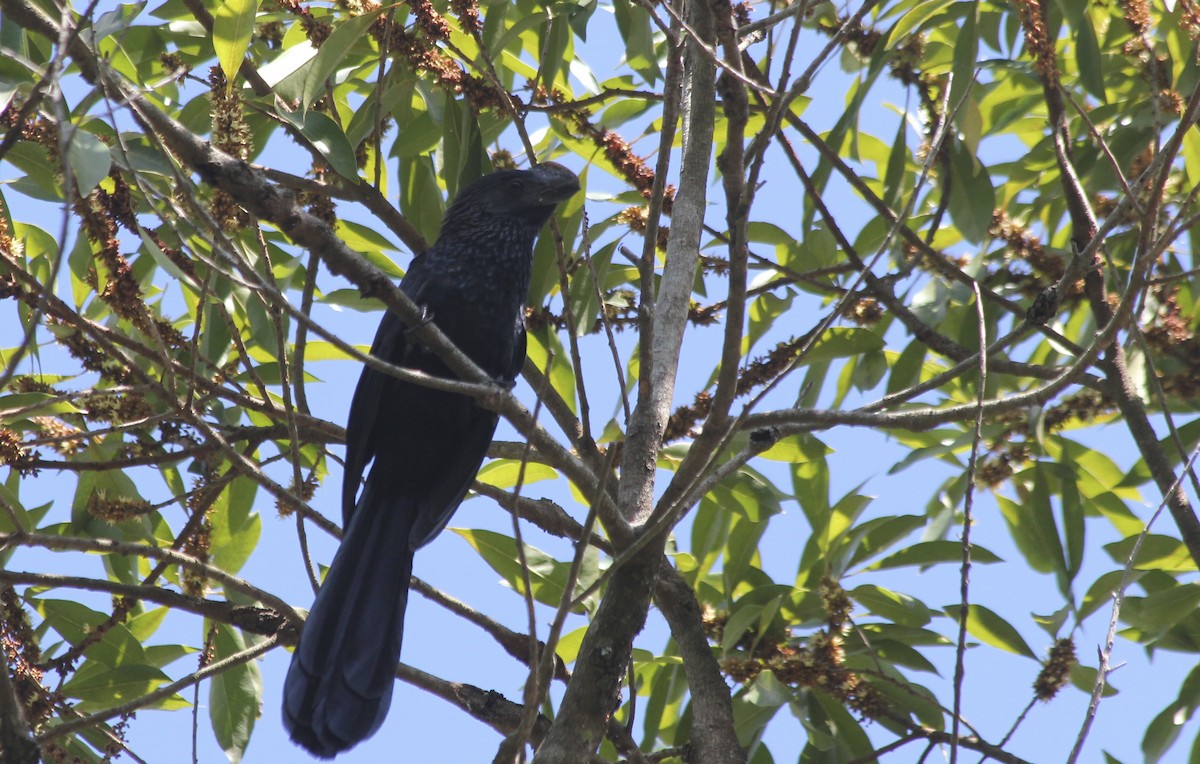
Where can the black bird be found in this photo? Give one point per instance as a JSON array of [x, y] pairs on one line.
[[426, 445]]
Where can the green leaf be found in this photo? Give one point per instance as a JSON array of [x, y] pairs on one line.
[[991, 629], [547, 576], [368, 240], [98, 686], [894, 176], [894, 652], [115, 21], [1161, 610], [420, 196], [544, 348], [1164, 553], [754, 707], [76, 621], [1165, 728], [896, 607], [235, 526], [363, 122], [1073, 525], [1083, 678], [966, 53], [462, 146], [972, 196], [28, 518], [353, 299], [161, 258], [143, 626], [327, 351], [840, 342], [634, 24], [904, 696], [19, 407], [932, 553], [667, 693], [743, 616], [834, 718], [234, 696], [307, 82], [917, 16], [1188, 435], [585, 296], [88, 158], [1088, 58], [876, 536], [503, 473], [1101, 592], [1031, 523], [325, 137], [165, 655], [233, 26]]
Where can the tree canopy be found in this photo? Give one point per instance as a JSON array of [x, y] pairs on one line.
[[973, 251]]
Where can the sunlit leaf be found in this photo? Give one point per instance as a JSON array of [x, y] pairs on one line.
[[234, 696], [989, 628], [503, 473], [932, 553], [233, 26]]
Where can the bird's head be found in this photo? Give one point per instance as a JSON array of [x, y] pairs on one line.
[[523, 197]]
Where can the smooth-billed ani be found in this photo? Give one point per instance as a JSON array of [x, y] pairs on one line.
[[426, 446]]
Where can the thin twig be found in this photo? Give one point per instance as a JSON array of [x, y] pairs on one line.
[[960, 652]]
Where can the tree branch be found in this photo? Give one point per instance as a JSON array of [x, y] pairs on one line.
[[606, 647]]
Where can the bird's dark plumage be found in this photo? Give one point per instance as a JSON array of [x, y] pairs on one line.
[[426, 446]]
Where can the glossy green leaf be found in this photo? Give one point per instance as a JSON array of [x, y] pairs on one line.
[[973, 198], [307, 82], [1162, 609], [1157, 552], [236, 527], [895, 606], [754, 707], [932, 553], [547, 576], [234, 696], [89, 160], [989, 628], [233, 26], [966, 53], [98, 687], [325, 137], [503, 473], [840, 343]]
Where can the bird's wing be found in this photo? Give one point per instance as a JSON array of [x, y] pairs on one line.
[[456, 474], [391, 345], [474, 429], [360, 437]]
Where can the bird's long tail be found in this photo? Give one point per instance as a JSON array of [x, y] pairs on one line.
[[339, 685]]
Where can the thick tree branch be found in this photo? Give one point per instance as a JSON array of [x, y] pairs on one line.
[[606, 647], [1085, 232]]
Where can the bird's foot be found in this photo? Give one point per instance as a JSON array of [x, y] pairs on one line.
[[426, 319]]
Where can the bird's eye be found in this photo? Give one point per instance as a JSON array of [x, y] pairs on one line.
[[516, 184]]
